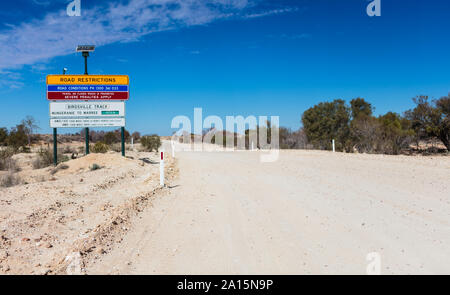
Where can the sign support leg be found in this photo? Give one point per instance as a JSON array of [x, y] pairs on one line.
[[55, 147], [122, 131], [86, 138]]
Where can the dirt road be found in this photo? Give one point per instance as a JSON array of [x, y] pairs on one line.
[[309, 212]]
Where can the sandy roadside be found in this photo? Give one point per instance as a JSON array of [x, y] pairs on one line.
[[60, 222]]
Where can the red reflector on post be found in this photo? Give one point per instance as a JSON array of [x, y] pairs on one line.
[[162, 156]]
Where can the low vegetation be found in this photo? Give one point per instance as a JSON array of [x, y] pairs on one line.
[[45, 158], [95, 167], [355, 129], [61, 166], [151, 142], [7, 163], [100, 148], [10, 179]]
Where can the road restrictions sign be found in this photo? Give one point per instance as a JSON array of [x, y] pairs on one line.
[[87, 87], [86, 122], [87, 109]]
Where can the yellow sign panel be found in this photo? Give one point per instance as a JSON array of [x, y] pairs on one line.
[[87, 80]]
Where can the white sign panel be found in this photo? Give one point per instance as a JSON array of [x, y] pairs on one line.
[[87, 109], [86, 122]]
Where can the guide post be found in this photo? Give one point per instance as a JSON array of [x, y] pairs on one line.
[[161, 169]]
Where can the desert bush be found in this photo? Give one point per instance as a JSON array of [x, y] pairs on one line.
[[395, 133], [3, 135], [117, 147], [44, 159], [17, 137], [100, 147], [151, 142], [9, 164], [95, 167], [68, 150], [136, 136], [61, 166], [9, 179], [7, 152], [431, 120], [111, 137]]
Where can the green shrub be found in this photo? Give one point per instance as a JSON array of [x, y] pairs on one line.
[[17, 137], [151, 142], [9, 180], [100, 147], [44, 159], [68, 150], [111, 137], [117, 147], [9, 164], [95, 167], [59, 167], [3, 135]]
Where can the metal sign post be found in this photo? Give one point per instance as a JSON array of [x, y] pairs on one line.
[[86, 135], [122, 131], [85, 49], [55, 147]]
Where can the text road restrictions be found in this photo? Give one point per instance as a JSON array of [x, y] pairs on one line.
[[83, 87], [86, 122], [87, 109]]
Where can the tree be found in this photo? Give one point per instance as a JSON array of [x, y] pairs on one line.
[[360, 108], [292, 140], [30, 126], [395, 133], [126, 135], [136, 136], [327, 121], [431, 120], [365, 133], [3, 135], [443, 105], [110, 138], [17, 137], [363, 127]]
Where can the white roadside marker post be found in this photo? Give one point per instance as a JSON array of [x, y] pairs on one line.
[[252, 145], [173, 148], [132, 143], [161, 169], [333, 146]]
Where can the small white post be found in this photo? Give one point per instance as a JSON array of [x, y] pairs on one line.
[[173, 148], [333, 146], [132, 142], [161, 169], [252, 145]]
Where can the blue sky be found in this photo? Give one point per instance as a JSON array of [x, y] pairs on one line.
[[230, 57]]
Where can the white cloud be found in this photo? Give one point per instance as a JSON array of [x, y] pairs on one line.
[[270, 12], [38, 40], [57, 34]]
